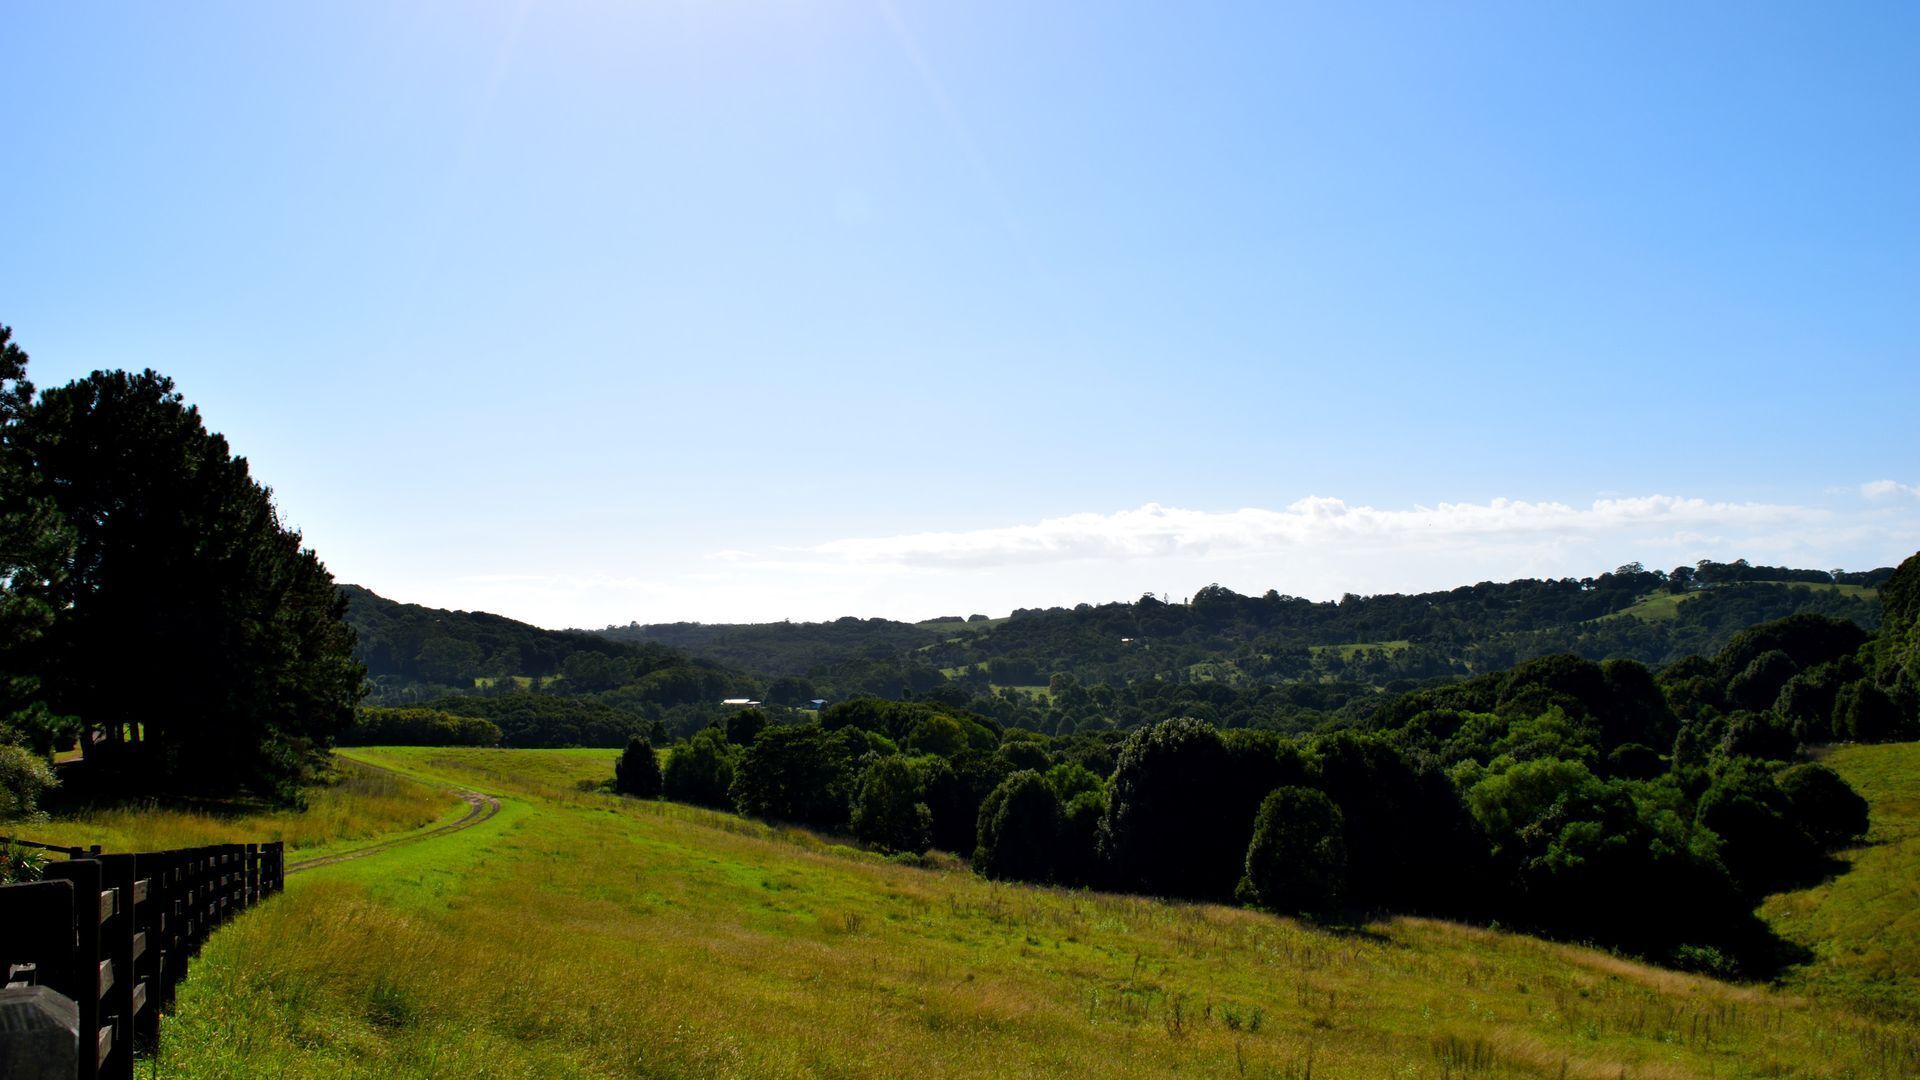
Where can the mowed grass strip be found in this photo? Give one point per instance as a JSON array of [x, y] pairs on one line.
[[1864, 925], [578, 934], [363, 806]]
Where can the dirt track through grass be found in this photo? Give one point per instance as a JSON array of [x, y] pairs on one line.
[[481, 806]]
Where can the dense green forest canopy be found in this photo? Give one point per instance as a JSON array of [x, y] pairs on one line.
[[1218, 636], [1271, 662], [404, 644], [1603, 801]]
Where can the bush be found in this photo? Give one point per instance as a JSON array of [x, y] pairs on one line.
[[800, 773], [1077, 856], [745, 725], [1635, 762], [418, 727], [24, 778], [1760, 682], [637, 773], [1297, 861], [1824, 805], [700, 770], [20, 864], [1759, 735], [1762, 843], [889, 807], [1019, 828], [1169, 829], [1864, 713]]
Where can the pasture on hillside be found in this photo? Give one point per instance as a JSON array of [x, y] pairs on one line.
[[577, 934], [364, 805], [1864, 925]]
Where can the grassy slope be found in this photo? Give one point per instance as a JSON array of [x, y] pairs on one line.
[[364, 804], [577, 934], [1864, 926], [1664, 607]]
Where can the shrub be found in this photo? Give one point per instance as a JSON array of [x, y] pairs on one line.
[[418, 727], [889, 808], [1824, 805], [1169, 829], [1864, 713], [637, 773], [1759, 735], [1762, 845], [1759, 683], [1297, 861], [18, 864], [24, 777], [745, 725], [1019, 827], [700, 770], [800, 773]]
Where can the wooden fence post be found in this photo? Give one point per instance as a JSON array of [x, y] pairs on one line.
[[123, 944], [199, 890], [93, 906], [153, 918]]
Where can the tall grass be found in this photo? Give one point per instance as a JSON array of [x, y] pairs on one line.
[[578, 934], [362, 804]]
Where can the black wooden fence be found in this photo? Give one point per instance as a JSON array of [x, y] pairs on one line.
[[115, 932]]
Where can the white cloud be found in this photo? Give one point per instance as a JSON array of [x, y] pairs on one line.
[[1314, 547], [1890, 489], [1155, 531]]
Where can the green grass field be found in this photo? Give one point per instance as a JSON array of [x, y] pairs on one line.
[[577, 934], [1864, 925], [1347, 652]]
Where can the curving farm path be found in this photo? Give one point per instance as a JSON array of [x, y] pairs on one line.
[[480, 807]]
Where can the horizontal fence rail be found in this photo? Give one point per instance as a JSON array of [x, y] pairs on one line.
[[114, 933]]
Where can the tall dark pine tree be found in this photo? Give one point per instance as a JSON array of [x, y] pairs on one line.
[[34, 544], [194, 632]]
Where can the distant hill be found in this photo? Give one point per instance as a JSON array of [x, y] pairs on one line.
[[410, 645], [435, 645], [1220, 636], [785, 648]]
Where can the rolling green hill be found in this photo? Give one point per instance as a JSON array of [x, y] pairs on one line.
[[1222, 637], [576, 934]]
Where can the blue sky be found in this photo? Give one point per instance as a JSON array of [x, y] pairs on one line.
[[596, 312]]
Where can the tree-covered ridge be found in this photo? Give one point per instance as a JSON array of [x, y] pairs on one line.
[[408, 643], [784, 648], [411, 650], [1220, 636], [540, 687]]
